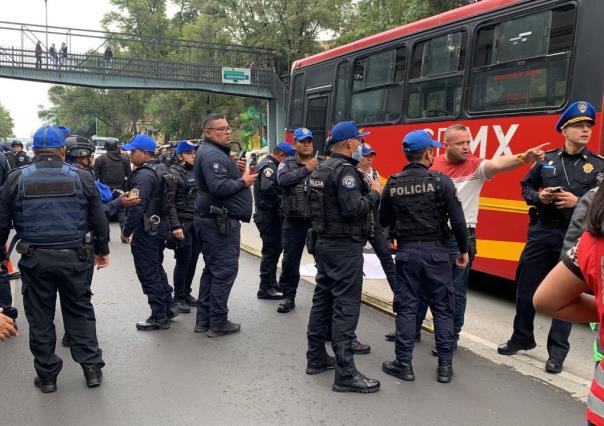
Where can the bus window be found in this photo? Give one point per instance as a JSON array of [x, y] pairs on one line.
[[316, 117], [341, 96], [524, 62], [378, 87], [296, 108], [437, 76]]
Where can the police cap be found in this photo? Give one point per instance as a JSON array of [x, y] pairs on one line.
[[576, 112], [302, 133], [48, 137]]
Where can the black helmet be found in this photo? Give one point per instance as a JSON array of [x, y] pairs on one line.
[[17, 142], [79, 146], [111, 145]]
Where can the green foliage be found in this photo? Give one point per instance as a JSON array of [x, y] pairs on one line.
[[6, 123]]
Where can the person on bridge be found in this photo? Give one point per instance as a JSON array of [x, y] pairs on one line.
[[54, 58], [341, 208], [39, 51], [63, 53], [418, 205], [19, 157], [224, 198], [552, 187], [147, 227], [469, 173], [54, 207], [292, 176], [108, 57], [187, 249], [269, 218], [563, 293]]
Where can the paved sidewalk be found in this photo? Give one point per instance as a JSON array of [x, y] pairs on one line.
[[488, 323]]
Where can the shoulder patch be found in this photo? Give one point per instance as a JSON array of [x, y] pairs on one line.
[[268, 172], [282, 165], [215, 167], [349, 182]]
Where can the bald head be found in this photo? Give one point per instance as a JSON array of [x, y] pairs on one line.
[[457, 143]]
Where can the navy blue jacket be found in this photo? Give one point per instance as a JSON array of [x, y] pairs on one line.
[[219, 182], [456, 216]]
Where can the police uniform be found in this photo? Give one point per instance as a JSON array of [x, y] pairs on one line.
[[6, 298], [223, 200], [293, 176], [342, 207], [576, 173], [418, 204], [186, 252], [149, 223], [53, 205], [20, 158], [269, 220]]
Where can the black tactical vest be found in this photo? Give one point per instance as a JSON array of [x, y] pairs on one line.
[[295, 198], [163, 191], [419, 207], [186, 191], [324, 207], [261, 200]]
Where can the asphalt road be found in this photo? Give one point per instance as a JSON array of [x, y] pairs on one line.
[[257, 376]]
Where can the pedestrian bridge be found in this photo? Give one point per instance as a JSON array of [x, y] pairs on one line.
[[140, 62]]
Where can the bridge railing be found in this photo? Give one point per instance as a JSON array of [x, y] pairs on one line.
[[117, 67]]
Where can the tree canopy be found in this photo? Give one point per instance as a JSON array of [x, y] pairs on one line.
[[6, 123]]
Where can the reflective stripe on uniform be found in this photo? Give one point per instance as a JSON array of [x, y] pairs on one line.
[[594, 403]]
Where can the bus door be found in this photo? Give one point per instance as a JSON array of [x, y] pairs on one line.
[[316, 119]]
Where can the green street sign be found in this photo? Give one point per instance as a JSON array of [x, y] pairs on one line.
[[236, 75]]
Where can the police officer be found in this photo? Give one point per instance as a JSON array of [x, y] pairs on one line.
[[341, 205], [292, 176], [223, 199], [6, 298], [53, 206], [19, 157], [112, 168], [418, 204], [184, 240], [552, 187], [269, 219], [147, 227]]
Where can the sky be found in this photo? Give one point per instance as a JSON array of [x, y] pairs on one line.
[[22, 98]]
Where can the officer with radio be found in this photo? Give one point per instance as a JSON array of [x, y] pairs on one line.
[[184, 241], [147, 226], [341, 206], [224, 199], [552, 188], [292, 176], [418, 204], [53, 206], [269, 219]]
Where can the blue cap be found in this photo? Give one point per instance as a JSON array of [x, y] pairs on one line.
[[185, 146], [345, 130], [285, 148], [144, 142], [366, 149], [66, 131], [577, 111], [48, 137], [417, 140], [302, 133]]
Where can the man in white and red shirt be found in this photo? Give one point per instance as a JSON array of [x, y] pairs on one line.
[[469, 173]]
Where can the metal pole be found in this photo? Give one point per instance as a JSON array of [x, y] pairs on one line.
[[46, 9]]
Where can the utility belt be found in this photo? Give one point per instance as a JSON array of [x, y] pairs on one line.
[[83, 248], [151, 224], [221, 215], [550, 222]]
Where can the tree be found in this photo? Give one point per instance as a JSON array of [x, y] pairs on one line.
[[6, 123]]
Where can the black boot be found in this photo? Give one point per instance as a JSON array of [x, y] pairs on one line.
[[153, 324], [181, 306], [190, 300], [287, 305], [510, 348], [357, 383], [360, 348], [45, 386], [93, 375], [318, 367], [228, 328], [444, 372], [270, 294], [401, 369]]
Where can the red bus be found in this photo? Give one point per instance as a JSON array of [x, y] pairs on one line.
[[504, 68]]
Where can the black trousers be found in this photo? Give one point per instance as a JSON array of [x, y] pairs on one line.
[[6, 298], [336, 302], [148, 254], [540, 255], [43, 274], [424, 272], [186, 263], [269, 225], [379, 242], [221, 257], [294, 240]]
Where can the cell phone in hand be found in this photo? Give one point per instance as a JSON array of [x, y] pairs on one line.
[[555, 189], [241, 155], [133, 193]]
